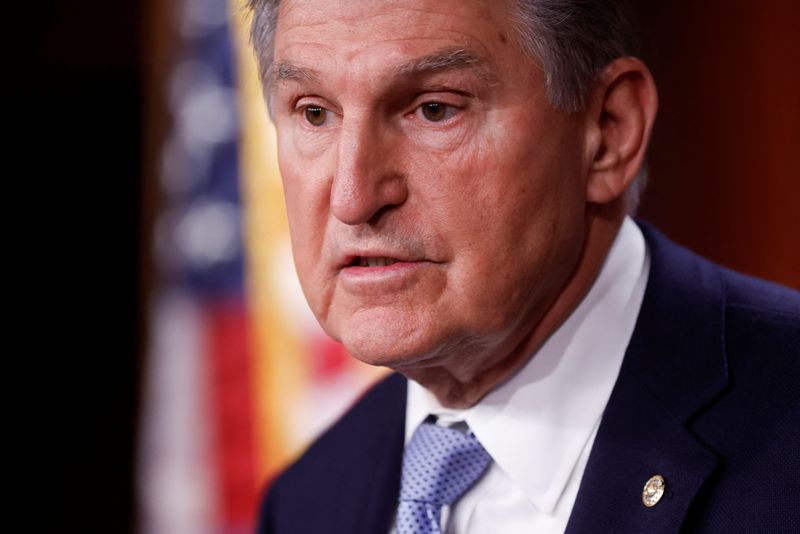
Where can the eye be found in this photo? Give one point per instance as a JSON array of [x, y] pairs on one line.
[[316, 115], [438, 111], [435, 111]]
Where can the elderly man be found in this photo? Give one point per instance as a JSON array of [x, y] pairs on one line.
[[458, 177]]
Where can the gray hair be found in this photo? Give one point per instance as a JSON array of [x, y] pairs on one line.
[[572, 39], [262, 33]]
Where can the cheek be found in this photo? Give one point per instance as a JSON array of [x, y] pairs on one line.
[[306, 185], [514, 217], [307, 210]]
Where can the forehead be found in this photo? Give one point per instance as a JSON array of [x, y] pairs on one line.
[[369, 34]]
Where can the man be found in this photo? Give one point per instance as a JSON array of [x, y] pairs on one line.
[[458, 176]]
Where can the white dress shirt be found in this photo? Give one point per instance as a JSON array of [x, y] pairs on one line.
[[540, 425]]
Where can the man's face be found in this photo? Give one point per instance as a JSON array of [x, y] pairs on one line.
[[436, 200]]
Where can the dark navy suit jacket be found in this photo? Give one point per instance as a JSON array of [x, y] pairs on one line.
[[707, 397]]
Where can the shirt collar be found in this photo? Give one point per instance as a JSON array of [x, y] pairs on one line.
[[536, 424]]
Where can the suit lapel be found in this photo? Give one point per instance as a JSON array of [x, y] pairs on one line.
[[370, 491], [675, 365]]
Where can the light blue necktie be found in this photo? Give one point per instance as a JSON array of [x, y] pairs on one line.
[[439, 465]]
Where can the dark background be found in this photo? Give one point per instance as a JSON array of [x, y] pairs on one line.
[[77, 101], [86, 102], [724, 155]]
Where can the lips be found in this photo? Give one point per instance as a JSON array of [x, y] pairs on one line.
[[378, 272], [376, 257], [373, 261]]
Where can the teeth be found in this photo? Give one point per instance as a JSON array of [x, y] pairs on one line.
[[372, 261]]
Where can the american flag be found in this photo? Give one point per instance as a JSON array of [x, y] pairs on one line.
[[197, 456], [239, 376]]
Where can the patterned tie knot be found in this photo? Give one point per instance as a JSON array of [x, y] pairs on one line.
[[440, 464]]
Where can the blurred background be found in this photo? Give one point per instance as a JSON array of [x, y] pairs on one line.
[[175, 366]]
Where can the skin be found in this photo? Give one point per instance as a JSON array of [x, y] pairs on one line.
[[418, 130]]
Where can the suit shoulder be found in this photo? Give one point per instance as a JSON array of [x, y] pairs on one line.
[[762, 318], [360, 444], [762, 325], [761, 297], [753, 425], [698, 278], [382, 406]]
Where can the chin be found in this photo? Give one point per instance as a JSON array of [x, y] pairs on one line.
[[390, 344], [380, 350]]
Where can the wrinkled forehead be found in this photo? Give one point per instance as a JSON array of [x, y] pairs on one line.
[[353, 12], [369, 34]]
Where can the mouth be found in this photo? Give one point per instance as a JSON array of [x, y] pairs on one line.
[[379, 273], [372, 261]]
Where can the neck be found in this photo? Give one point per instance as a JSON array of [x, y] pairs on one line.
[[463, 386]]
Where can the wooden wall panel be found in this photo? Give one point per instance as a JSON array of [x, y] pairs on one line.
[[725, 158]]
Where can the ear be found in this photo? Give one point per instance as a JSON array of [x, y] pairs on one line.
[[621, 113]]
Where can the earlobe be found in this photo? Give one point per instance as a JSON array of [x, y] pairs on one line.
[[621, 115]]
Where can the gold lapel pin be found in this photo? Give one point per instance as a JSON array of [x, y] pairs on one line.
[[653, 490]]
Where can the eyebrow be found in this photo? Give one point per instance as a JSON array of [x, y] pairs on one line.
[[441, 60], [285, 71], [445, 59]]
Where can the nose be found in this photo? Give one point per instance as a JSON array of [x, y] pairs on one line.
[[366, 181]]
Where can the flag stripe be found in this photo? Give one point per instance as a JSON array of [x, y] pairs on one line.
[[232, 404]]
